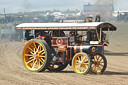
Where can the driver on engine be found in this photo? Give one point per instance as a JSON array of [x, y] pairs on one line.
[[40, 34]]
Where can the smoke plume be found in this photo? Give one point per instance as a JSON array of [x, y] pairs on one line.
[[103, 2], [26, 5], [104, 10]]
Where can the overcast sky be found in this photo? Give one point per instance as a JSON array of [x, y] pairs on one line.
[[31, 5]]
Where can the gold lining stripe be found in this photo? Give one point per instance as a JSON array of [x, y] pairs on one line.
[[75, 48], [81, 47], [57, 28]]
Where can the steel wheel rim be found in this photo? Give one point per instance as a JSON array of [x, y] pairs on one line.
[[97, 63], [80, 63], [34, 55]]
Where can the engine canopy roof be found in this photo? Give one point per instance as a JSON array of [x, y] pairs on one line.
[[67, 26]]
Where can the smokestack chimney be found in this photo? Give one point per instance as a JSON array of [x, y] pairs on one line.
[[5, 15]]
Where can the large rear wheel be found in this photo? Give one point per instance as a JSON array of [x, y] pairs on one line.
[[36, 55], [99, 63], [81, 63]]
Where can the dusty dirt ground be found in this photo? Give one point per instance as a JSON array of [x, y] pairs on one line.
[[12, 71]]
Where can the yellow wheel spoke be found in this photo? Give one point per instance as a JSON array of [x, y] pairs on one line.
[[30, 49], [42, 56], [31, 52], [101, 59], [77, 63], [31, 58], [41, 51], [35, 46], [33, 62], [98, 58], [34, 50], [28, 55], [37, 49], [99, 68], [94, 60], [95, 68], [79, 68], [86, 63], [102, 65], [37, 63], [30, 61], [34, 65], [86, 60], [79, 58], [83, 58], [41, 61], [86, 66]]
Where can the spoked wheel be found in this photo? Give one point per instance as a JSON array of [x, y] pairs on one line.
[[36, 55], [99, 64], [81, 63], [56, 68]]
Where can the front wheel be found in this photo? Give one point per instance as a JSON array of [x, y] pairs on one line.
[[81, 63], [99, 63]]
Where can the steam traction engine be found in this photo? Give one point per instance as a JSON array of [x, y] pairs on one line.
[[81, 45]]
